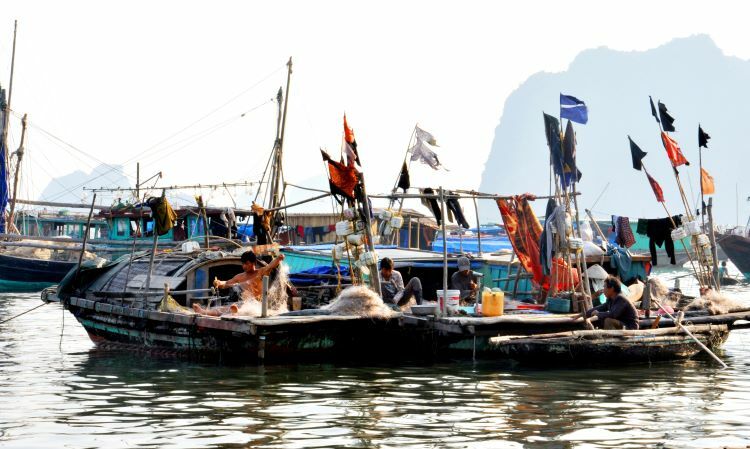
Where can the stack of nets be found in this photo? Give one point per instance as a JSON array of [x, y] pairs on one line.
[[360, 301]]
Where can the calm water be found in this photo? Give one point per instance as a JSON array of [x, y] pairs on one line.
[[63, 393]]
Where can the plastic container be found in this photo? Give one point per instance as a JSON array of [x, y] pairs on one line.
[[396, 222], [692, 228], [369, 258], [493, 304], [558, 305], [678, 234], [386, 214], [575, 243], [448, 302], [189, 247], [702, 240], [344, 228], [339, 251]]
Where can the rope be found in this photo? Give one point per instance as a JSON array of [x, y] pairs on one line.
[[23, 313]]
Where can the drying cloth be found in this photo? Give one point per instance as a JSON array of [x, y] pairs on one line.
[[432, 204], [453, 206], [625, 235], [524, 232], [163, 214]]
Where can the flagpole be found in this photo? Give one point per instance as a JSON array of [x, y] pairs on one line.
[[700, 170], [688, 213], [674, 225]]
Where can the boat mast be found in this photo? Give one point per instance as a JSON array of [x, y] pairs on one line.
[[16, 175], [276, 169], [6, 115]]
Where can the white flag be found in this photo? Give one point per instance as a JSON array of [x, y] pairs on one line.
[[424, 136], [421, 152]]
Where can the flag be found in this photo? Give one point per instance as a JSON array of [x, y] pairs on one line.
[[569, 155], [707, 182], [637, 154], [425, 136], [658, 192], [403, 178], [574, 109], [673, 150], [341, 178], [667, 121], [703, 138], [422, 153], [350, 145], [552, 131], [653, 109]]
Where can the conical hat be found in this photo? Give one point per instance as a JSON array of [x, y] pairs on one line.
[[597, 272]]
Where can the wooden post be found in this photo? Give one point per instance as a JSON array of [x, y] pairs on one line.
[[445, 252], [264, 302], [374, 275], [153, 248], [409, 243], [85, 238], [479, 227], [712, 238]]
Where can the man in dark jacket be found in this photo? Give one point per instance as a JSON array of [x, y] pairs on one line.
[[618, 312]]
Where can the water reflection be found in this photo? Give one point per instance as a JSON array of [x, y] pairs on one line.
[[77, 396]]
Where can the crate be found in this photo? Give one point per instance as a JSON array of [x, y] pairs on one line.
[[558, 305]]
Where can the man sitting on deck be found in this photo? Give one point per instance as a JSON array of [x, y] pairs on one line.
[[465, 280], [250, 280], [392, 286], [618, 312]]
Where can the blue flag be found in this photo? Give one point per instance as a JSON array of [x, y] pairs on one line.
[[573, 109]]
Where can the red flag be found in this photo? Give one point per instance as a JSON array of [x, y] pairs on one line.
[[658, 192], [673, 151], [350, 145], [707, 182], [341, 178]]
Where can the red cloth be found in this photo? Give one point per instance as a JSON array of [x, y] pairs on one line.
[[524, 231]]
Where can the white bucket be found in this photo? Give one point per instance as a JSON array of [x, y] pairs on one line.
[[369, 258], [451, 303], [702, 240], [386, 214]]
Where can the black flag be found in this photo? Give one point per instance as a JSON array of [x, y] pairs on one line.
[[666, 119], [569, 155], [653, 109], [403, 178], [637, 154], [703, 138], [552, 130]]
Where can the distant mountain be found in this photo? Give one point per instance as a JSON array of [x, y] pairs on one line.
[[69, 188], [696, 81]]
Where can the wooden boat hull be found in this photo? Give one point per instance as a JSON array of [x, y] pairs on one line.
[[247, 339], [737, 248], [27, 274], [591, 347]]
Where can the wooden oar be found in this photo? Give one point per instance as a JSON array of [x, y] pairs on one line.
[[679, 324]]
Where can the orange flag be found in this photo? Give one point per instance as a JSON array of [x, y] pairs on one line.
[[673, 151], [707, 182]]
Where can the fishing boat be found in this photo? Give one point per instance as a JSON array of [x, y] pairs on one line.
[[610, 346], [736, 246]]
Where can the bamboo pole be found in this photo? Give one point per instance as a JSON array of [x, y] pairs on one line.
[[479, 228], [445, 252], [85, 237], [678, 323], [19, 158], [264, 296], [714, 251]]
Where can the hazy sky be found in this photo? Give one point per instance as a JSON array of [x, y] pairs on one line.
[[165, 83]]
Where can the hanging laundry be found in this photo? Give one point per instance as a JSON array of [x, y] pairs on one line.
[[625, 237], [432, 204], [659, 233], [164, 215], [454, 207]]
